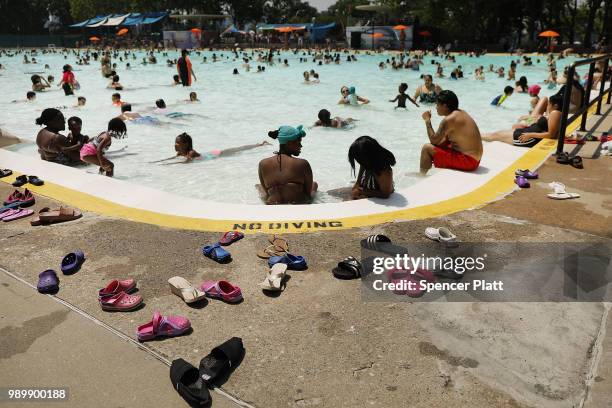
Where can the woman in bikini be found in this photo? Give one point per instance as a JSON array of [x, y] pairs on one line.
[[285, 179], [375, 177], [428, 92]]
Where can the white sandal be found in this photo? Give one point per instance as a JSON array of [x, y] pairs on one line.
[[274, 280], [182, 288], [441, 234], [559, 192]]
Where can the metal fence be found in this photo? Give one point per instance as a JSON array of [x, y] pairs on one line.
[[586, 99]]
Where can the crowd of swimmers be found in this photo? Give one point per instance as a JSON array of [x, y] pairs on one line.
[[284, 178]]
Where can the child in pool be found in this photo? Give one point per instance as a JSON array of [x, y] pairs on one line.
[[499, 99], [326, 120], [183, 145], [115, 84], [93, 152], [401, 97]]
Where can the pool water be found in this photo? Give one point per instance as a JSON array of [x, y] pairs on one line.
[[240, 109]]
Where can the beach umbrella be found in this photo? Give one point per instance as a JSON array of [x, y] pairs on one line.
[[94, 39], [284, 29], [377, 35], [549, 33], [196, 31], [123, 31], [400, 27], [425, 33]]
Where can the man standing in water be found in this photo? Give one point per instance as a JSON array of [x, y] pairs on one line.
[[184, 69], [286, 179], [457, 143]]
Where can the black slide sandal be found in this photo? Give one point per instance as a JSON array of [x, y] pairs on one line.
[[216, 367], [577, 162], [35, 181], [349, 268], [5, 173], [187, 382], [563, 158], [20, 181]]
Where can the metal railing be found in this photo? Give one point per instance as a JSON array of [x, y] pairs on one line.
[[586, 98]]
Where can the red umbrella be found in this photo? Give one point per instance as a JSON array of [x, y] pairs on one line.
[[549, 33], [94, 39], [425, 33], [123, 31], [378, 35], [196, 30], [400, 27]]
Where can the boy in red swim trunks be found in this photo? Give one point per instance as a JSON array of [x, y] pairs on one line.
[[457, 143]]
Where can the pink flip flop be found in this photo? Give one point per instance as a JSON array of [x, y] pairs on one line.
[[169, 326], [117, 286], [230, 237], [222, 290], [121, 302], [16, 214], [396, 276]]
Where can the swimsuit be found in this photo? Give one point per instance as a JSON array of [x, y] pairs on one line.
[[445, 157], [146, 120], [539, 127], [429, 97], [367, 181], [184, 70], [213, 154], [91, 148]]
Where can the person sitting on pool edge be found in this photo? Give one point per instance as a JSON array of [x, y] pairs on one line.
[[285, 179], [183, 145], [545, 127], [457, 143], [325, 120], [50, 142], [375, 176]]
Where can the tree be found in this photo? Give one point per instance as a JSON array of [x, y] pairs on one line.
[[593, 6]]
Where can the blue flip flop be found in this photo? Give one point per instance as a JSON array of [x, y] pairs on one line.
[[216, 253], [294, 262], [48, 282], [10, 206], [72, 262]]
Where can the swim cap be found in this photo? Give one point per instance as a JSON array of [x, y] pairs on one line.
[[534, 89], [289, 133], [352, 90]]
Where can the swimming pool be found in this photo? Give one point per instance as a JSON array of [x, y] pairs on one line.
[[241, 109]]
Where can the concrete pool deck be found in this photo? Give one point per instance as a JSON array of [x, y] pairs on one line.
[[318, 344]]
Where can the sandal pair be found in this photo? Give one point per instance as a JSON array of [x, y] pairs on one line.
[[192, 383], [574, 161], [114, 297]]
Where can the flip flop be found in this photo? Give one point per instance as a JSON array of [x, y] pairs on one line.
[[279, 242], [20, 181], [182, 288], [559, 192], [573, 141], [396, 276], [419, 275], [270, 250], [349, 268], [440, 234], [168, 326], [61, 214], [120, 302], [35, 181], [294, 262], [16, 214], [222, 290], [522, 182], [527, 174], [222, 360], [72, 262], [187, 382], [216, 253], [27, 199], [230, 237], [274, 280], [563, 158], [5, 173], [576, 162], [48, 282], [13, 198], [9, 207], [116, 286]]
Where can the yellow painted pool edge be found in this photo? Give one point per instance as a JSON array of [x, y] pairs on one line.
[[499, 186]]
